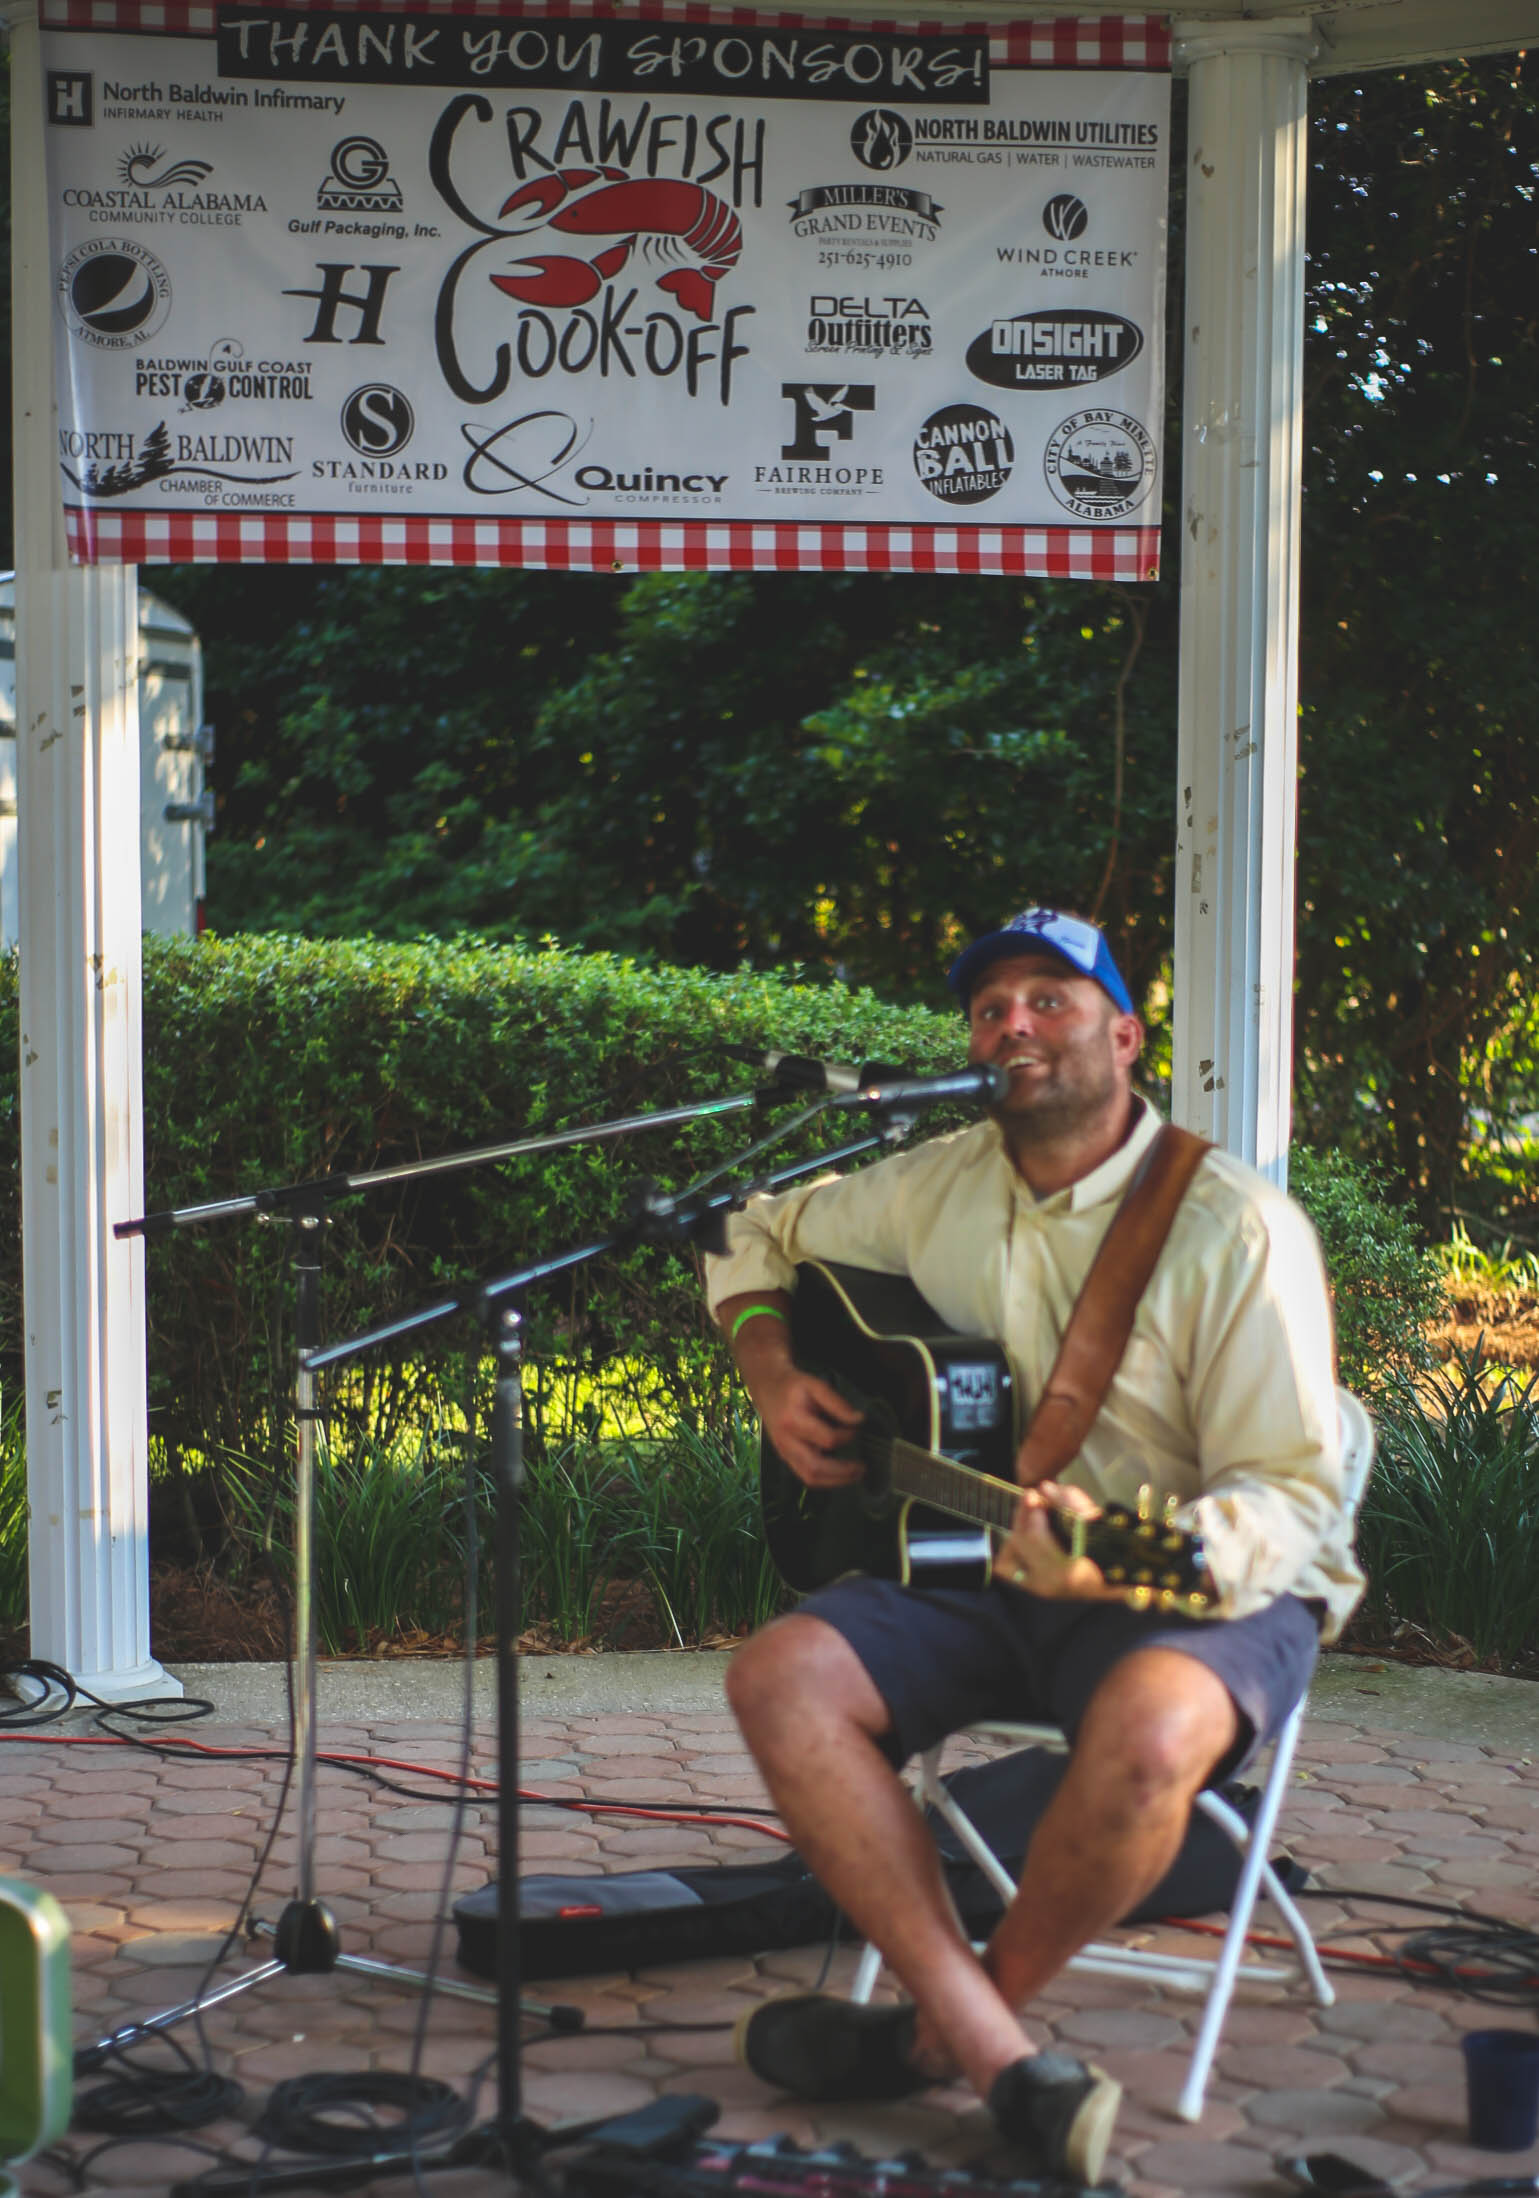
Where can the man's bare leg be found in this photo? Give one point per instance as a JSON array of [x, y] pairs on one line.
[[811, 1715]]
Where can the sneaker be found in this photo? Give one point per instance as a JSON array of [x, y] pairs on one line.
[[820, 2047], [1058, 2113]]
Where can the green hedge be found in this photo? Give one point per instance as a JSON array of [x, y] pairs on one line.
[[267, 1060]]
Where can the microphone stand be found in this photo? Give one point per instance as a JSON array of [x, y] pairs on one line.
[[510, 2139], [305, 1938]]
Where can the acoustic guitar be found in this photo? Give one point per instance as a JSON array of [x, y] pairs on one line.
[[938, 1445]]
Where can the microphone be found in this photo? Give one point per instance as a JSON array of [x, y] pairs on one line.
[[984, 1083], [805, 1072]]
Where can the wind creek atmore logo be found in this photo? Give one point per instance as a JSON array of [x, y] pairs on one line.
[[1100, 464], [1051, 350], [113, 293], [963, 454]]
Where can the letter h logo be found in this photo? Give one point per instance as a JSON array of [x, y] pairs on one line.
[[69, 97]]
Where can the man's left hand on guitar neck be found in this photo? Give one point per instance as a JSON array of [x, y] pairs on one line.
[[1032, 1557]]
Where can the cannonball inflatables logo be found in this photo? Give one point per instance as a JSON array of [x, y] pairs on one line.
[[963, 454], [113, 293], [881, 138], [1099, 464], [1065, 217]]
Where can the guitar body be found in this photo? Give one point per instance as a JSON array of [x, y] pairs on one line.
[[877, 1341]]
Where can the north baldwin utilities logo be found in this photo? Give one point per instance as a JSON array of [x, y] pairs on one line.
[[963, 454], [881, 138], [1100, 464], [113, 293]]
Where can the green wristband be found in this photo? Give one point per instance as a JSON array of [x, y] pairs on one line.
[[752, 1312]]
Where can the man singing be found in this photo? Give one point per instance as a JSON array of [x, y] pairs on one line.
[[1224, 1398]]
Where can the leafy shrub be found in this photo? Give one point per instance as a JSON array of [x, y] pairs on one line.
[[1451, 1516], [13, 1515], [1385, 1285], [271, 1061]]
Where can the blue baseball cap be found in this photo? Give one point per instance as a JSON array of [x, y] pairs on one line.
[[1047, 931]]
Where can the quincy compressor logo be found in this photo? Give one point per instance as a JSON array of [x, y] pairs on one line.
[[113, 293]]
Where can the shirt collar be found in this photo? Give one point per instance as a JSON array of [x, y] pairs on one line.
[[1108, 1181]]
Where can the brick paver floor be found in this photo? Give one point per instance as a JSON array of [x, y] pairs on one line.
[[150, 1858]]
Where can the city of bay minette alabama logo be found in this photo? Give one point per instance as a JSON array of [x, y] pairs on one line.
[[113, 293], [963, 454], [1099, 464]]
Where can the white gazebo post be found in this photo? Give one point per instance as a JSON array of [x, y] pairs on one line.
[[1241, 454], [82, 1169]]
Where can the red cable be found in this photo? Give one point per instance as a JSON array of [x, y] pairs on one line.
[[417, 1770]]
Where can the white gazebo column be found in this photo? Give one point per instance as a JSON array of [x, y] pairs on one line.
[[77, 783], [1242, 439]]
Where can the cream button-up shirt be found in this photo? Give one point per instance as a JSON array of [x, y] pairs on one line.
[[1225, 1397]]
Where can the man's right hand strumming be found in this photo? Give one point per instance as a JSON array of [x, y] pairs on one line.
[[806, 1419]]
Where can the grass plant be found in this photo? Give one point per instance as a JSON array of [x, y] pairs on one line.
[[1451, 1517], [1465, 1265], [13, 1517]]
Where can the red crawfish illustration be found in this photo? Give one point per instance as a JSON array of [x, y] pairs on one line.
[[665, 220]]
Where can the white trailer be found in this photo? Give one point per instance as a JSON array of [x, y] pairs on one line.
[[176, 806]]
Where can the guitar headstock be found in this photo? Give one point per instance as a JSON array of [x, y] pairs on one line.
[[1161, 1565]]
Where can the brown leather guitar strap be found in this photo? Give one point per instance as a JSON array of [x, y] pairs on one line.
[[1102, 1319]]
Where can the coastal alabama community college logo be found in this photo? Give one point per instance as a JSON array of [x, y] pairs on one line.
[[113, 293], [1099, 464]]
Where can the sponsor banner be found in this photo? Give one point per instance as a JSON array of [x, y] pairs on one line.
[[675, 289]]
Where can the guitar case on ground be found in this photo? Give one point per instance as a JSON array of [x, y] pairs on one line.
[[573, 1926]]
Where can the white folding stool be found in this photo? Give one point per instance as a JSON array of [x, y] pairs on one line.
[[1216, 1977]]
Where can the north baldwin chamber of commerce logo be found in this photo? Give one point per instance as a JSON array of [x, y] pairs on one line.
[[1053, 350], [1100, 464], [881, 138], [115, 463], [113, 293], [963, 454]]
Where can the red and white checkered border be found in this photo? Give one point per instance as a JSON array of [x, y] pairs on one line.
[[572, 545], [1135, 42]]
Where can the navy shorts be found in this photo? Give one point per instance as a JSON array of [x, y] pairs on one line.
[[940, 1658]]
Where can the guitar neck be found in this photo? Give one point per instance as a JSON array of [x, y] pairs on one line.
[[952, 1488]]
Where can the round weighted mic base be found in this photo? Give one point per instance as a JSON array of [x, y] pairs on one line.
[[306, 1939]]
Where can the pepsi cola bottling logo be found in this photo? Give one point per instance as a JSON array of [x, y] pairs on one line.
[[963, 454], [113, 293]]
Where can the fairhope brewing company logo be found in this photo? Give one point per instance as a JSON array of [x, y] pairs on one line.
[[1053, 350], [154, 186], [963, 454], [360, 181], [113, 293], [822, 413], [1099, 465], [223, 373], [116, 463], [881, 139], [886, 327], [378, 420]]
